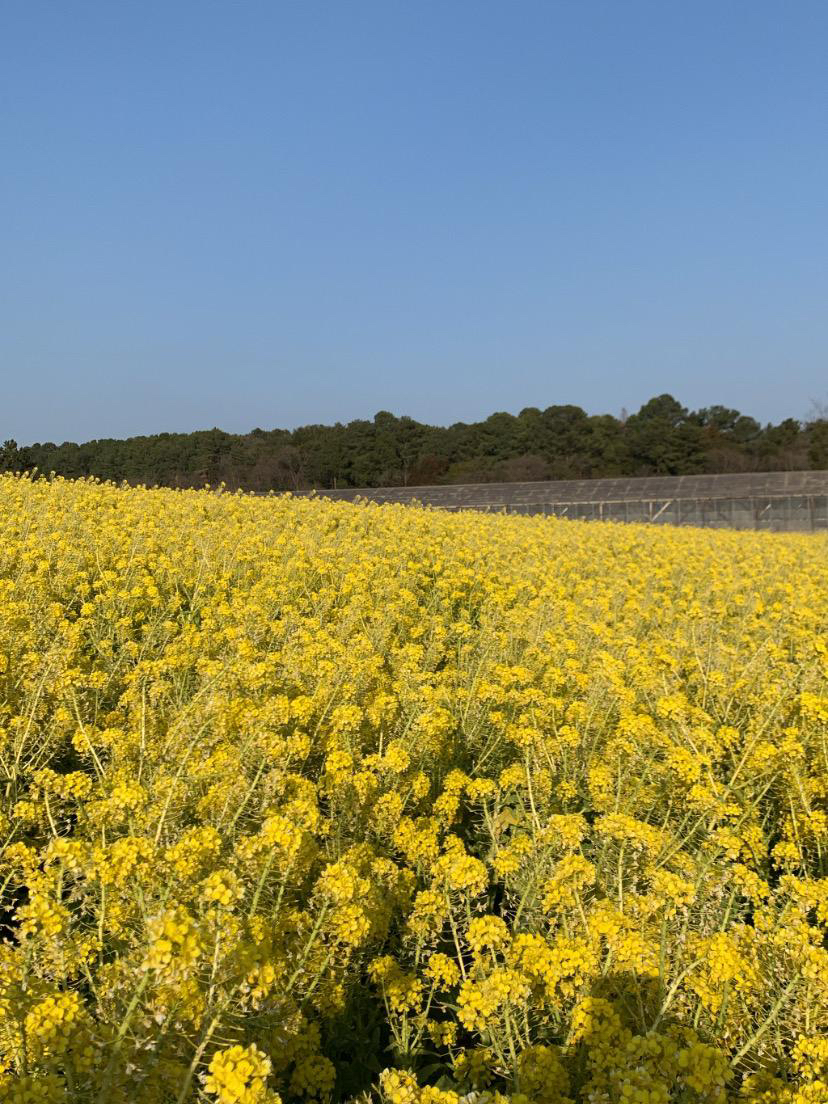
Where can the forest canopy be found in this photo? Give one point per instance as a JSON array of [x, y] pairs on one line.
[[560, 442]]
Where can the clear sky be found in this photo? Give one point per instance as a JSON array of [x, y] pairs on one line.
[[267, 213]]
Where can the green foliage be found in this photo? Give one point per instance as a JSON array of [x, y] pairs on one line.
[[560, 442], [10, 459]]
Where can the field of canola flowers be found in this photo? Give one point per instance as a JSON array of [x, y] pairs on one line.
[[312, 801]]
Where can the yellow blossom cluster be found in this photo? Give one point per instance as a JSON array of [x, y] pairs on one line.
[[304, 801]]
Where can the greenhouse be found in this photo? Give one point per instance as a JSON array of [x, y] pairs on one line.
[[784, 501]]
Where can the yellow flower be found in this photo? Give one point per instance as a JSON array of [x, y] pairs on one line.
[[238, 1075], [532, 810]]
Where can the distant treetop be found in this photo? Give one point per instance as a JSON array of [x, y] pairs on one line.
[[560, 442]]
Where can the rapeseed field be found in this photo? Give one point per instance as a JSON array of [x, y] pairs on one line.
[[310, 801]]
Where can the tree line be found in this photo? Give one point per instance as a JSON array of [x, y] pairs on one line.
[[560, 442]]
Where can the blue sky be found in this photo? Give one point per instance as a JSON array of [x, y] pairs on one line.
[[270, 213]]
